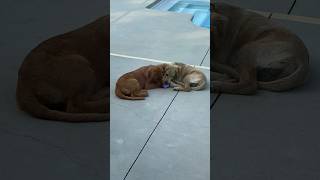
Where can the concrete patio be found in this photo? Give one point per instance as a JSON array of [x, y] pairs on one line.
[[166, 136], [272, 135]]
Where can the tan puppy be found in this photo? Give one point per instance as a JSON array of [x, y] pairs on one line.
[[134, 85], [66, 77], [251, 51], [184, 77]]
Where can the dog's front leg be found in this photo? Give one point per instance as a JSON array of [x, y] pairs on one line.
[[174, 84], [180, 83], [182, 86], [141, 93], [186, 87]]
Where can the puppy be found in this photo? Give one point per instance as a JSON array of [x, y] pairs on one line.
[[184, 77], [251, 52], [134, 85], [66, 78]]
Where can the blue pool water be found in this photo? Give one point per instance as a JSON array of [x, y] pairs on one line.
[[199, 9]]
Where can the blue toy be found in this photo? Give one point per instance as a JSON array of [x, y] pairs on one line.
[[165, 85]]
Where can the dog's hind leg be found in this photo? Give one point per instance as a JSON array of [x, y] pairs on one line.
[[104, 92], [81, 86], [97, 103], [184, 87], [187, 87], [215, 76], [50, 96], [141, 93], [245, 61]]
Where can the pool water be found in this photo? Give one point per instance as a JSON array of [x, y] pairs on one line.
[[199, 9]]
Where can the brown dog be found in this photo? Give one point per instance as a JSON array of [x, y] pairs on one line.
[[134, 85], [66, 77], [253, 52]]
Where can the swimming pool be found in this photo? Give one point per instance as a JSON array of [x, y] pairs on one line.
[[200, 9]]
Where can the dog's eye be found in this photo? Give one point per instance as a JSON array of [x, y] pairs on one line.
[[167, 74]]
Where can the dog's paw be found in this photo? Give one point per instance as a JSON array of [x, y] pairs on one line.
[[177, 89], [145, 93]]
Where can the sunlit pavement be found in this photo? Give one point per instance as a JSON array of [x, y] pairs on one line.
[[166, 136]]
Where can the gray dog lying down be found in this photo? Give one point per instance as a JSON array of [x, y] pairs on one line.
[[183, 77], [251, 52]]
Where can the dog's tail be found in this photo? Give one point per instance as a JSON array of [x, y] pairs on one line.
[[27, 101], [293, 80], [201, 85], [120, 94]]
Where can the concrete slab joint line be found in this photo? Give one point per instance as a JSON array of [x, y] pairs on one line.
[[215, 100], [204, 57], [292, 6], [154, 129], [120, 17], [156, 60]]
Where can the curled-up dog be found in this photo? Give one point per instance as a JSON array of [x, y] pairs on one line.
[[134, 85], [66, 78], [183, 77], [253, 52]]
